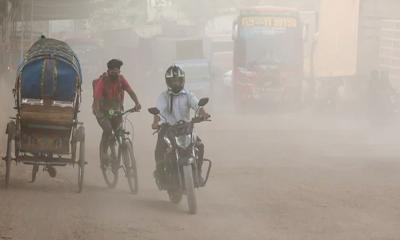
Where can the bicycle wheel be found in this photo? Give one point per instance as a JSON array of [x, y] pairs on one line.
[[130, 167], [107, 159]]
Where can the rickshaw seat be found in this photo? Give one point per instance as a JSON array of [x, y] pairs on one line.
[[50, 113]]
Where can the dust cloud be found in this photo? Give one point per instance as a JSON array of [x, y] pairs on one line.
[[304, 106]]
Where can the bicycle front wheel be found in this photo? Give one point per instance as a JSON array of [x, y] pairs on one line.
[[130, 167], [107, 159]]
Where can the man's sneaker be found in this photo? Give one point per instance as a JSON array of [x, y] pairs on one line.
[[115, 166]]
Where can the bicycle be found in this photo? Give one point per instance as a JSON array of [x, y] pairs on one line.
[[120, 147]]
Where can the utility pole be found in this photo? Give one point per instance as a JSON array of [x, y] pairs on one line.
[[31, 32]]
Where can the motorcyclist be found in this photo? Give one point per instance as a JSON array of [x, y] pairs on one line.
[[174, 105], [108, 94]]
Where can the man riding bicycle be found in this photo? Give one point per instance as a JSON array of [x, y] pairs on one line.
[[109, 95], [174, 105]]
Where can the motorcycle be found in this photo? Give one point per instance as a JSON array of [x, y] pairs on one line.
[[180, 170]]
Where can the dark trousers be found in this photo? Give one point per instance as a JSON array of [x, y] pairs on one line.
[[108, 125]]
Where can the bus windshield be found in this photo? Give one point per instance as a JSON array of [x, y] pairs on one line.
[[268, 40]]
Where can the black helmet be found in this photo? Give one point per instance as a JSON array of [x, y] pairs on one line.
[[114, 63], [175, 73]]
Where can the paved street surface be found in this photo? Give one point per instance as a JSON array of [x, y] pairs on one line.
[[275, 176]]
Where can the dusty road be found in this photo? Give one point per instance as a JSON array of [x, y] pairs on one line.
[[274, 177]]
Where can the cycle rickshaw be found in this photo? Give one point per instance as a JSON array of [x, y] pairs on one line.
[[45, 131]]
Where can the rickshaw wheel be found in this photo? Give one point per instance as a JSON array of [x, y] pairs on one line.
[[81, 162], [35, 169], [11, 131], [8, 160]]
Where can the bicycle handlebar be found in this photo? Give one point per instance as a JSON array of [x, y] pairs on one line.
[[112, 113], [194, 120]]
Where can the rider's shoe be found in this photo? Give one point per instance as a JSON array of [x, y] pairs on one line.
[[52, 171], [115, 166]]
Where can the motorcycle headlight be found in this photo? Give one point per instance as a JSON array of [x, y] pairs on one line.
[[168, 142], [183, 141]]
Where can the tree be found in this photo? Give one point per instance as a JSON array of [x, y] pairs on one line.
[[118, 14]]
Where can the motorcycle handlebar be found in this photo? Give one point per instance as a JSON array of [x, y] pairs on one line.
[[194, 120]]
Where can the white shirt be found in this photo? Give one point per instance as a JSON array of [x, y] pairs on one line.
[[181, 105]]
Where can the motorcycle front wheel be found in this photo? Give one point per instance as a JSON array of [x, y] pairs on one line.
[[189, 187]]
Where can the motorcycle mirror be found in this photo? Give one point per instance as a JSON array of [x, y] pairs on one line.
[[203, 102], [154, 111]]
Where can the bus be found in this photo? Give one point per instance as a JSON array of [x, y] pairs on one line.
[[268, 62]]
